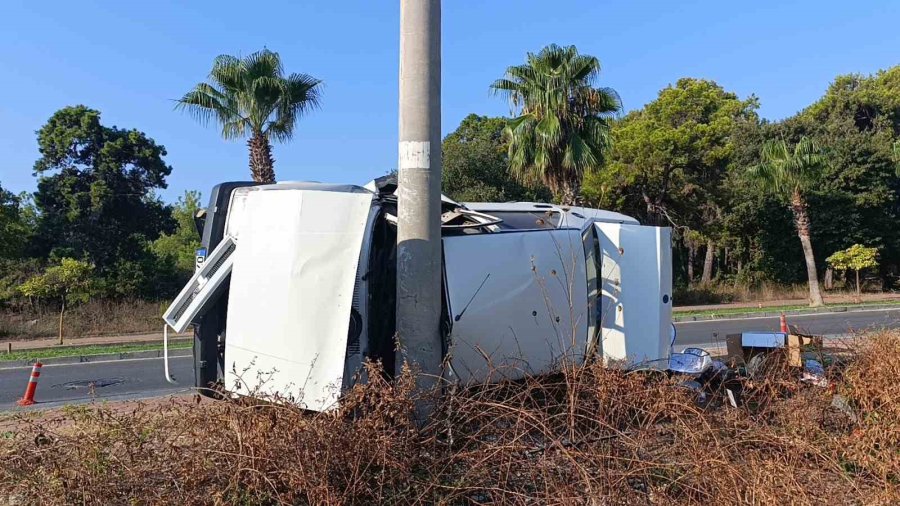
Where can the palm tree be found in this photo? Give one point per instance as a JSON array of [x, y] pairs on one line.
[[252, 96], [562, 126], [789, 174]]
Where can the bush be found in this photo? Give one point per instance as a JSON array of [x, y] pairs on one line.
[[12, 274], [591, 435]]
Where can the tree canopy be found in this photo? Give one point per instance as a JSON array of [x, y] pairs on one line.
[[669, 159], [561, 130], [683, 160], [96, 197], [476, 165], [15, 226], [179, 248]]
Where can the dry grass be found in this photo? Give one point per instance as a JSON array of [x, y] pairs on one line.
[[588, 436], [726, 293], [95, 318]]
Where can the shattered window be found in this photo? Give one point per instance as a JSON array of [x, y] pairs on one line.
[[527, 220]]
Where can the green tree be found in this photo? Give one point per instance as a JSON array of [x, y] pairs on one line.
[[669, 162], [855, 258], [476, 166], [179, 248], [96, 196], [857, 121], [252, 96], [562, 126], [790, 173], [67, 283], [16, 226]]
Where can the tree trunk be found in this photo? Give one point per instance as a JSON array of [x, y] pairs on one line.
[[62, 310], [261, 162], [570, 193], [858, 293], [801, 220], [708, 262], [829, 278], [692, 254]]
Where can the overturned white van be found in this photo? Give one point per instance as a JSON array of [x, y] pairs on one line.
[[298, 289]]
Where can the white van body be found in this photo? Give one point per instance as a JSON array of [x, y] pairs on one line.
[[528, 288]]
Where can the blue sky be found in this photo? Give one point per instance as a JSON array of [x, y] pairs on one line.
[[130, 59]]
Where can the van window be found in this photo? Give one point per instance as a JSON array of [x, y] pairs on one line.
[[527, 220]]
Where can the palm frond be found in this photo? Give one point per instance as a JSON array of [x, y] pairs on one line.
[[787, 171], [263, 64], [227, 72], [251, 95]]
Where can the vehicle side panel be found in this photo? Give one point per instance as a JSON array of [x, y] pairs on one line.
[[518, 302]]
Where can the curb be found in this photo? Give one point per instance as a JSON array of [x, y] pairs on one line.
[[78, 359], [791, 312]]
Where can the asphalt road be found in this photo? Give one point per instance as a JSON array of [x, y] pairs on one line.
[[143, 378], [713, 332], [112, 380]]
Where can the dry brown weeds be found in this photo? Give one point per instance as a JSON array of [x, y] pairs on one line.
[[588, 436], [95, 318]]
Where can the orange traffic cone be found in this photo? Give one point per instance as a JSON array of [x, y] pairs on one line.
[[28, 398], [784, 325]]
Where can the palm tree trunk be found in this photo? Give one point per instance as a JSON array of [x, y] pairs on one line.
[[706, 278], [801, 220], [261, 162], [570, 193]]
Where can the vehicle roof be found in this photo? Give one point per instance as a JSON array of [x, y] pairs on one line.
[[313, 185], [574, 215]]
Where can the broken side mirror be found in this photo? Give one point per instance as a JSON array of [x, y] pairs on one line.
[[200, 221]]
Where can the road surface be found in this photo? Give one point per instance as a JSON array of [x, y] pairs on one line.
[[711, 333], [113, 380], [142, 378]]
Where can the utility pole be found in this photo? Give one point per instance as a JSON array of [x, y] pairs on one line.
[[419, 201]]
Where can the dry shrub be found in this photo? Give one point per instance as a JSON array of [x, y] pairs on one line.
[[588, 435], [95, 318], [726, 293], [871, 384]]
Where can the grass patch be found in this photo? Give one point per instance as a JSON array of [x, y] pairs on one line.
[[83, 351]]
